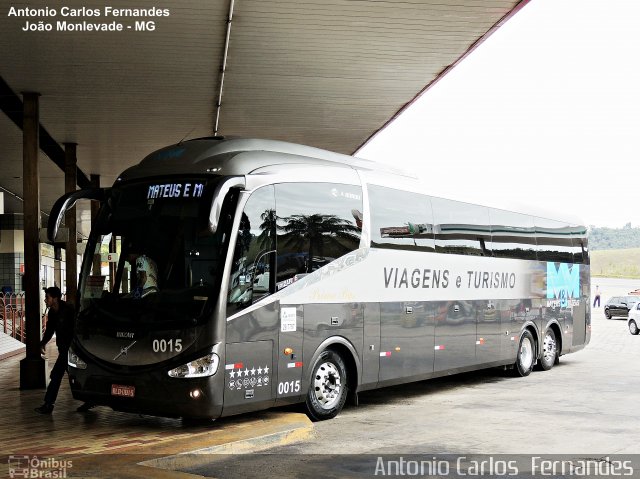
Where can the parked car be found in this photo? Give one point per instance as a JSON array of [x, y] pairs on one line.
[[619, 306], [634, 319]]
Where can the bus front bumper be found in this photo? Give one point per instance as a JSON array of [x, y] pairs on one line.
[[153, 393]]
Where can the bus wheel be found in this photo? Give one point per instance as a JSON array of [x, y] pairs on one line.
[[327, 387], [525, 358], [633, 327], [549, 350]]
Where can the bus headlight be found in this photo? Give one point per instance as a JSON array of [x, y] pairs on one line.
[[198, 368], [74, 361]]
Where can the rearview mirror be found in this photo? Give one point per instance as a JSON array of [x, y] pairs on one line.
[[67, 201]]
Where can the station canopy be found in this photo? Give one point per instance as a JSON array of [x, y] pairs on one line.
[[329, 74]]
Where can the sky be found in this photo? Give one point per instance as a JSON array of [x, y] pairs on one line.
[[542, 117]]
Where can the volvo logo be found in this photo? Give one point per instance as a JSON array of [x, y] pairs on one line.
[[124, 350]]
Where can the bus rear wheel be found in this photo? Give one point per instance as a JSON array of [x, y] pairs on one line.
[[327, 386], [525, 359], [549, 350]]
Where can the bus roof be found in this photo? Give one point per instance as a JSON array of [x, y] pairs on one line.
[[242, 156]]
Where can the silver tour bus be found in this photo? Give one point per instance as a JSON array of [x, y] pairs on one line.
[[256, 273]]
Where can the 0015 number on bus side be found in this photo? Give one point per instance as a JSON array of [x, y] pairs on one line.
[[162, 345], [289, 387]]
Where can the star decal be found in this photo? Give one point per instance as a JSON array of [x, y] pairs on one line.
[[233, 373], [266, 369], [246, 372], [259, 370], [253, 371]]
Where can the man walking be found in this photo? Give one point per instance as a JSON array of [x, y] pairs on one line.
[[60, 320], [597, 297]]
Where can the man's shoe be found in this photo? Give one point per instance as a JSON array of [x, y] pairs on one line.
[[85, 407], [44, 409]]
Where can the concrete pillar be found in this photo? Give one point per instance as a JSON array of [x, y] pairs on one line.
[[95, 207], [57, 266], [33, 366], [70, 184], [112, 266]]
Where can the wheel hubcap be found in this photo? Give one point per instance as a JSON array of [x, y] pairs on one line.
[[549, 348], [633, 327], [526, 354], [327, 385]]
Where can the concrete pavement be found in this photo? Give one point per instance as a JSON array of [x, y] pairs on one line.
[[104, 443]]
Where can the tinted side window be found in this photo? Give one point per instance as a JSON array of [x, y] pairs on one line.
[[316, 223], [554, 241], [461, 228], [512, 235], [254, 257], [400, 219]]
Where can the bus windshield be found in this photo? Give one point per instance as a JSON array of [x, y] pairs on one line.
[[165, 263]]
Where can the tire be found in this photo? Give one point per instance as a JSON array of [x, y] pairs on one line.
[[328, 386], [549, 350], [633, 327], [526, 355], [607, 314]]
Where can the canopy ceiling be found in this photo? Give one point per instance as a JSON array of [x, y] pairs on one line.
[[324, 73]]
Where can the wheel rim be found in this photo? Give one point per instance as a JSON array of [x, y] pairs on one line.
[[633, 327], [327, 385], [526, 354], [549, 347]]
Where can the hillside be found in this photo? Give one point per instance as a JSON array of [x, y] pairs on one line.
[[614, 238], [618, 263]]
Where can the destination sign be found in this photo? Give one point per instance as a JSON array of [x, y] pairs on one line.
[[175, 190]]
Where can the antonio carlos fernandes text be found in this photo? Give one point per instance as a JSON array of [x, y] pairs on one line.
[[538, 466]]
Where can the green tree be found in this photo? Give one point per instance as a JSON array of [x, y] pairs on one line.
[[268, 228], [318, 234]]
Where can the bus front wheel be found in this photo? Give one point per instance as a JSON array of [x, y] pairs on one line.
[[327, 386], [526, 357]]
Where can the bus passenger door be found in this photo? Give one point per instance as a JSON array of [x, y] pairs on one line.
[[289, 353]]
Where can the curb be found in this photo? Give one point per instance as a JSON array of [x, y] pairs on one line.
[[248, 445], [238, 435]]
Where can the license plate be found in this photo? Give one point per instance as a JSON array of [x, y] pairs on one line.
[[124, 391]]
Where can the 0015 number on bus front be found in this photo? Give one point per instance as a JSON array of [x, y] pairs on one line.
[[163, 346]]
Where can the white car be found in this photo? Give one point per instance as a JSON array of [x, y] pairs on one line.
[[634, 319]]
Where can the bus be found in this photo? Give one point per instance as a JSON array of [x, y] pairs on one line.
[[256, 273]]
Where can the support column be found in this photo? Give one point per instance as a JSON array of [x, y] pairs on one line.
[[112, 266], [33, 366], [70, 182], [95, 207], [57, 266]]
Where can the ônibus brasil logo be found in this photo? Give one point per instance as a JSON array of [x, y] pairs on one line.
[[563, 284]]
